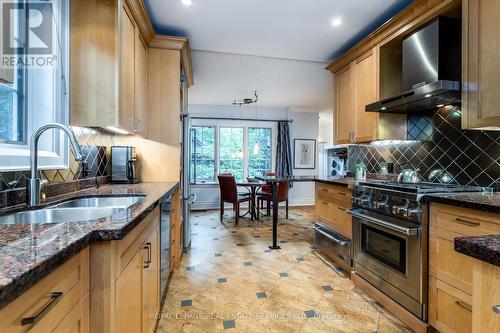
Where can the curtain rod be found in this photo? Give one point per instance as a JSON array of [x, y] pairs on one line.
[[245, 119]]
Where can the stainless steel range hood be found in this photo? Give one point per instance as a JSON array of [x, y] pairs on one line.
[[431, 69]]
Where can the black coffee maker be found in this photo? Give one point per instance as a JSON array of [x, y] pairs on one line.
[[123, 160]]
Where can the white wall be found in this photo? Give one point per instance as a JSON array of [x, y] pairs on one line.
[[305, 126]]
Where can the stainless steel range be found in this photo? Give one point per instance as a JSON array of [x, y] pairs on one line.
[[390, 239]]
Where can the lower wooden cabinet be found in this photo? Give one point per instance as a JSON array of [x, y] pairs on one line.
[[125, 293], [459, 293], [64, 296], [332, 204]]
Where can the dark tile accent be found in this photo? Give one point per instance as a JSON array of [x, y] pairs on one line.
[[261, 294], [215, 239], [248, 263], [217, 254], [310, 314], [233, 231], [190, 268], [471, 157], [187, 302], [327, 288], [213, 228], [300, 259], [239, 244], [313, 247], [283, 274], [256, 236], [295, 234], [228, 324], [283, 241], [222, 280]]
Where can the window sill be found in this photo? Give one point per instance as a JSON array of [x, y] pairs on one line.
[[18, 159]]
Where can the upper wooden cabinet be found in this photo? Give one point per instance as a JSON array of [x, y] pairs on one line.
[[110, 70], [356, 85], [480, 64], [169, 77]]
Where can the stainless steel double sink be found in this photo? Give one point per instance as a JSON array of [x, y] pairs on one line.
[[80, 209]]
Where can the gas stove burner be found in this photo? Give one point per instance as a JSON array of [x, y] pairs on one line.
[[423, 187]]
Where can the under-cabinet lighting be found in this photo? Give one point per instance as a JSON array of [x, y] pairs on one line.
[[117, 130], [439, 105], [383, 108], [427, 95]]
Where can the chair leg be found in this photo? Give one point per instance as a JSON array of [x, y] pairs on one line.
[[268, 208], [258, 209], [221, 210], [237, 213], [286, 202]]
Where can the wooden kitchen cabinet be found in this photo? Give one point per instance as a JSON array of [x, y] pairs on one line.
[[151, 281], [332, 204], [480, 64], [65, 294], [356, 85], [125, 279], [486, 295], [141, 86], [366, 92], [344, 105], [453, 299]]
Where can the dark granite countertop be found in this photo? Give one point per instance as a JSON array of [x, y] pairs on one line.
[[348, 182], [485, 248], [475, 200], [30, 252]]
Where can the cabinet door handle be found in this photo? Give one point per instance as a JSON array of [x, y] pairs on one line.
[[496, 309], [148, 261], [342, 193], [324, 189], [464, 305], [55, 297], [342, 208], [462, 220]]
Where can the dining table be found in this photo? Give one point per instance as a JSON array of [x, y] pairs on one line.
[[273, 182], [252, 187]]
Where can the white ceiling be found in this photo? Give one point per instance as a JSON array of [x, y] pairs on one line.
[[293, 29], [221, 78]]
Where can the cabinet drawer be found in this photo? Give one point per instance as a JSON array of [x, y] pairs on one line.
[[325, 211], [342, 220], [128, 246], [446, 264], [450, 309], [464, 221], [57, 294], [324, 192], [77, 320]]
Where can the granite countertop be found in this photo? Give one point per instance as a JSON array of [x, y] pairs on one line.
[[475, 200], [485, 248], [30, 252], [348, 182]]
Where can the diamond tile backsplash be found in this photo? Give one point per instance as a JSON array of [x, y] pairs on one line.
[[436, 141], [96, 145]]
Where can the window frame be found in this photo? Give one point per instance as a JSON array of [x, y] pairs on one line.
[[15, 156], [245, 124]]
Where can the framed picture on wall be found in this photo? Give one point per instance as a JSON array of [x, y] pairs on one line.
[[304, 156]]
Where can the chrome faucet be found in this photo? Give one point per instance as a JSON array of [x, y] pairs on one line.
[[33, 187]]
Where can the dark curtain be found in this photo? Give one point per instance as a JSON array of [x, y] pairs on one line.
[[283, 150]]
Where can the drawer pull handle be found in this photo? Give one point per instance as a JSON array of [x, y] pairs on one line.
[[462, 220], [342, 208], [496, 309], [148, 261], [324, 189], [464, 305], [342, 193], [55, 297]]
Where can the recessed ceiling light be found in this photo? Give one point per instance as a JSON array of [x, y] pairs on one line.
[[336, 22], [187, 2]]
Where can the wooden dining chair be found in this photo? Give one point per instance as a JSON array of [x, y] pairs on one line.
[[229, 193], [282, 196]]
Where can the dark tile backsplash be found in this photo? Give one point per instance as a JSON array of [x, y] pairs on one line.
[[96, 145], [436, 141]]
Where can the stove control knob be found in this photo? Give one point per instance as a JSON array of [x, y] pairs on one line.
[[401, 208], [411, 211], [381, 203]]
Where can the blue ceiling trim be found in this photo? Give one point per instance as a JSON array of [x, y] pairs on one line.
[[383, 18]]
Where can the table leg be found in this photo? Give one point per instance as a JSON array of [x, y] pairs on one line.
[[254, 197], [274, 191]]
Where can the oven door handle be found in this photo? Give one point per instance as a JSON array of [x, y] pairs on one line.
[[330, 237], [393, 227]]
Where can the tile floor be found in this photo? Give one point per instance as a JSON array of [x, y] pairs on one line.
[[230, 282]]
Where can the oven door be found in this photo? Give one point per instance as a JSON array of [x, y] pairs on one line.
[[390, 250]]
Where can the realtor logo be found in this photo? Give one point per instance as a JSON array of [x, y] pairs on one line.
[[27, 28]]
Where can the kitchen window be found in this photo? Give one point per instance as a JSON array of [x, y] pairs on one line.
[[245, 150], [37, 93]]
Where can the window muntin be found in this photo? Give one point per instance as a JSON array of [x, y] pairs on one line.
[[202, 168], [231, 151], [259, 151]]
